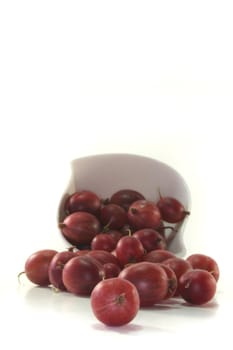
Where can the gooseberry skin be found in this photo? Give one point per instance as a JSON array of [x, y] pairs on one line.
[[129, 250], [80, 228], [113, 216], [116, 234], [81, 252], [204, 262], [144, 214], [179, 266], [104, 257], [103, 241], [56, 267], [158, 255], [172, 281], [172, 210], [37, 266], [150, 239], [125, 197], [81, 273], [197, 286], [150, 279], [84, 200], [111, 270], [115, 301]]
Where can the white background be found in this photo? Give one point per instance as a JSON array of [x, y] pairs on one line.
[[83, 77]]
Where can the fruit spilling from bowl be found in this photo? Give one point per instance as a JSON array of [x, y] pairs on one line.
[[123, 217], [119, 180], [120, 258]]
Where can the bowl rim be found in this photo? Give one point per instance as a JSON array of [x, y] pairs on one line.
[[138, 156]]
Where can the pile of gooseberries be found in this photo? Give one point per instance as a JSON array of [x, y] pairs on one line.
[[119, 256]]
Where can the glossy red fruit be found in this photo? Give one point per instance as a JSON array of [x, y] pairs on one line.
[[115, 301], [150, 279], [113, 216], [81, 274], [80, 252], [111, 270], [204, 262], [171, 209], [158, 255], [179, 266], [116, 234], [172, 281], [129, 250], [56, 267], [150, 239], [80, 228], [197, 286], [103, 241], [37, 266], [84, 200], [125, 197], [104, 257], [144, 214]]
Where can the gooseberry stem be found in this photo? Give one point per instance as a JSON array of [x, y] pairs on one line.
[[20, 274]]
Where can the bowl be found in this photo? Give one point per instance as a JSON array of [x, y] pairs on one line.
[[105, 174]]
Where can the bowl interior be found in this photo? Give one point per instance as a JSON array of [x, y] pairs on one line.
[[107, 173]]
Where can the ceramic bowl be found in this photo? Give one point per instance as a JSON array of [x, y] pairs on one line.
[[108, 173]]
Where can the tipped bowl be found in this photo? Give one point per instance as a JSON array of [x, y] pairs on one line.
[[105, 174]]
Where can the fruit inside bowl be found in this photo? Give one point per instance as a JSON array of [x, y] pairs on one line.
[[105, 175]]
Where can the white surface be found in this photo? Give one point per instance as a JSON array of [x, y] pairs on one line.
[[86, 77]]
